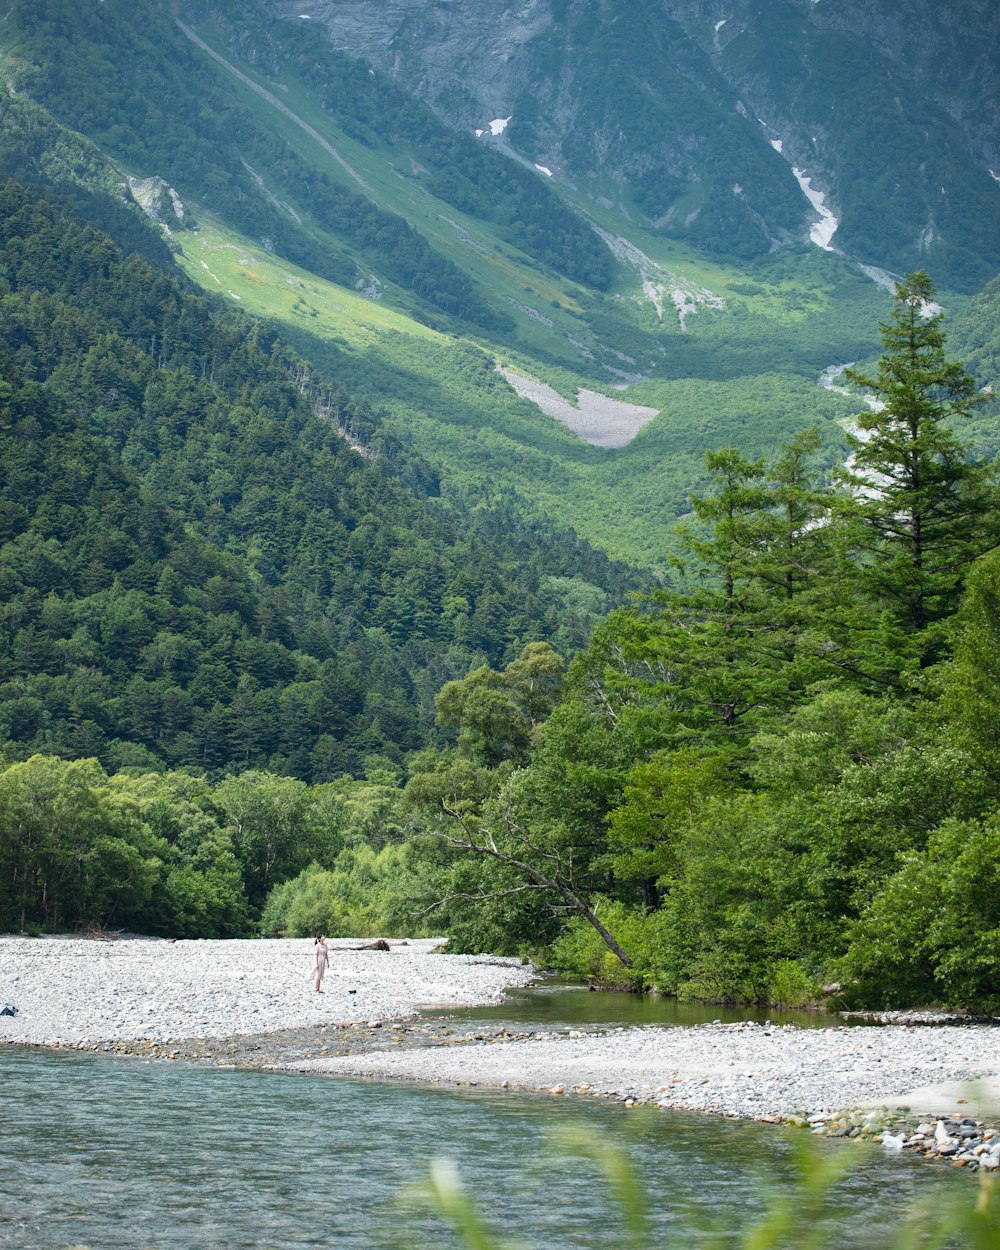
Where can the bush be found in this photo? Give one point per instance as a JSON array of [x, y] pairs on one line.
[[932, 932], [645, 937], [354, 898], [791, 985]]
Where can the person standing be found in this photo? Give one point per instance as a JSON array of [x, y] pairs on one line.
[[321, 961]]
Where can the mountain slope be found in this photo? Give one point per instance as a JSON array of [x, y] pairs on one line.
[[673, 108], [197, 570], [265, 116]]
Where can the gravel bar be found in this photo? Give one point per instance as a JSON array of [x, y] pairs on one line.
[[85, 992]]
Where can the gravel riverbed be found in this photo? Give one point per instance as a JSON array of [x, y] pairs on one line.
[[80, 992], [251, 1004]]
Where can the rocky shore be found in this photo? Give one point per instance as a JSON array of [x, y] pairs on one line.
[[930, 1088], [98, 993]]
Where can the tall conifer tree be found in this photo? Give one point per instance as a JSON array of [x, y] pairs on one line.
[[919, 507]]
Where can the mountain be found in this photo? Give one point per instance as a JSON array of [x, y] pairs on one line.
[[711, 117]]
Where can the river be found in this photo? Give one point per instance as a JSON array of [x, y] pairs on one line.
[[99, 1152]]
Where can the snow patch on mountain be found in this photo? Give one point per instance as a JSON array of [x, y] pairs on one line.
[[870, 488], [659, 285], [822, 231], [496, 127]]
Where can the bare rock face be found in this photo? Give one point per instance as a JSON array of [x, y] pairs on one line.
[[158, 201], [469, 61]]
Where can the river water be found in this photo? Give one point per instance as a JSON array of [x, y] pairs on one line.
[[101, 1152], [556, 1006]]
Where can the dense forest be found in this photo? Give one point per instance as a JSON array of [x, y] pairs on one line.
[[777, 775], [197, 569]]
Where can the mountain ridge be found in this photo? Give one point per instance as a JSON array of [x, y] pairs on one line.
[[725, 351]]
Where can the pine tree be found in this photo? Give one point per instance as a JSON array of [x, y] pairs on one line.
[[918, 507]]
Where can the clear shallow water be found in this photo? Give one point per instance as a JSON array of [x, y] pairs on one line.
[[554, 1006], [99, 1152]]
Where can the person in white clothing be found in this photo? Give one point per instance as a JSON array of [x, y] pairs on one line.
[[321, 961]]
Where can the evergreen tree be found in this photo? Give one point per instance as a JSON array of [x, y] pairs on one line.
[[919, 508]]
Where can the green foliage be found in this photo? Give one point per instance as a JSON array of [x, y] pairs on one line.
[[803, 1210], [971, 681], [195, 568], [933, 926], [175, 854], [579, 951], [764, 353], [360, 895], [919, 503], [372, 109], [80, 849], [496, 714]]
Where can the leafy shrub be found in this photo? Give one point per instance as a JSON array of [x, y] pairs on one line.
[[645, 937], [935, 923], [352, 899], [791, 985]]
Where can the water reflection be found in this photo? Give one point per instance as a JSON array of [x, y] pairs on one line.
[[555, 1006]]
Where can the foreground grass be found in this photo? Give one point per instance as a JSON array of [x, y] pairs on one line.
[[801, 1215]]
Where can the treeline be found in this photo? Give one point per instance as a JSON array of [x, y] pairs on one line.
[[197, 571], [168, 853]]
